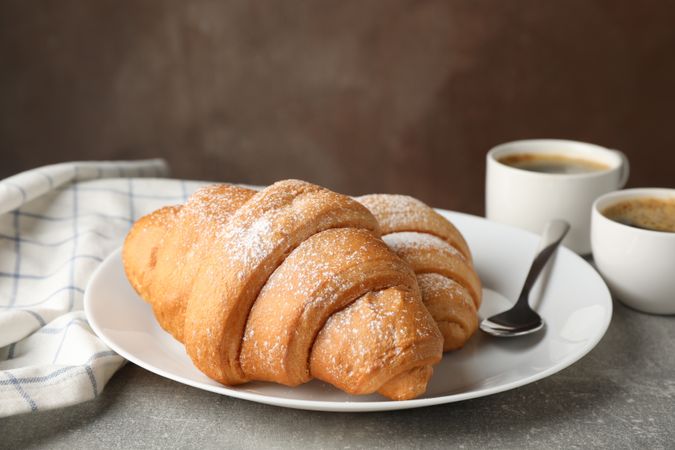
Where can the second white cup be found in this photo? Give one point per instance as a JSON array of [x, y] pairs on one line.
[[530, 199], [638, 264]]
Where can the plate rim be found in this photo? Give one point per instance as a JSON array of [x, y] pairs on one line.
[[368, 406]]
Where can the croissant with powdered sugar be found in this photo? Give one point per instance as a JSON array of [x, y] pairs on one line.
[[284, 285]]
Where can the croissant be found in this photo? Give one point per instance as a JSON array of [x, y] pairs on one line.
[[284, 285], [440, 257]]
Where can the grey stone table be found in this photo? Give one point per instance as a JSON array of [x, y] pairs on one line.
[[621, 395]]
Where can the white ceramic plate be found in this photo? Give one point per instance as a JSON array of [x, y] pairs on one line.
[[571, 296]]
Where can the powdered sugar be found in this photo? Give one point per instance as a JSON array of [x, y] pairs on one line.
[[434, 285], [420, 241], [392, 209]]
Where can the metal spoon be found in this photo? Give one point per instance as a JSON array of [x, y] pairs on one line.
[[521, 319]]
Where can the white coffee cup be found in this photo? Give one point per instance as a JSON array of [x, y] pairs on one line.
[[637, 264], [530, 199]]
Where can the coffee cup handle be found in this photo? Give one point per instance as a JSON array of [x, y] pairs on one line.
[[625, 171]]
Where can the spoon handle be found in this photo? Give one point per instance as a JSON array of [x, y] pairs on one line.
[[554, 233]]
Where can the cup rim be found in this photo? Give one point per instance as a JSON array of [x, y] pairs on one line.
[[614, 197], [491, 155]]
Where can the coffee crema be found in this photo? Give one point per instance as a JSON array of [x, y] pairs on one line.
[[650, 213], [552, 163]]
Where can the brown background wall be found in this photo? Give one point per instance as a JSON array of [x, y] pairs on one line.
[[361, 96]]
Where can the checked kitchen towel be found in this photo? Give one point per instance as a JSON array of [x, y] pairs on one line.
[[57, 224]]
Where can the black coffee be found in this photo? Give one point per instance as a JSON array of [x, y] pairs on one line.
[[650, 213], [549, 163]]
